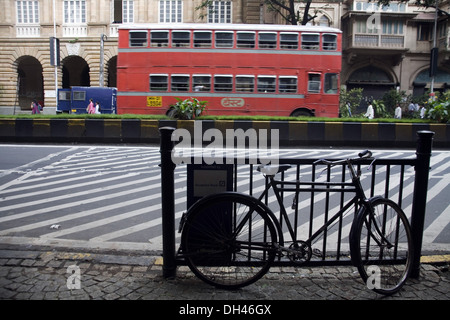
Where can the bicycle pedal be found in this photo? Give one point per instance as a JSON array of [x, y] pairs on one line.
[[317, 252]]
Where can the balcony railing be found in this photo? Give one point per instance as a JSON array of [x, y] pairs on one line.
[[383, 41], [75, 31], [28, 31]]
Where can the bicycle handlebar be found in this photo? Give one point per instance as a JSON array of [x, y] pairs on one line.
[[366, 154]]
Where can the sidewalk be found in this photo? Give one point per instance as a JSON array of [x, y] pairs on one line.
[[47, 275]]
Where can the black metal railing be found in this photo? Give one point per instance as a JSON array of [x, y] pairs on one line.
[[405, 181]]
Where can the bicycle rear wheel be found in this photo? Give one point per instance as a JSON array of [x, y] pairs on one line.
[[228, 240], [381, 246]]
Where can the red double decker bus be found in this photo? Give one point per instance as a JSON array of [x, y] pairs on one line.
[[277, 70]]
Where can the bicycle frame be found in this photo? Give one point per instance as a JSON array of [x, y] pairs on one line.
[[280, 186]]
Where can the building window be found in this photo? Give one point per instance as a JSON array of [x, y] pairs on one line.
[[27, 12], [424, 32], [170, 11], [74, 11], [392, 27], [219, 12], [123, 11]]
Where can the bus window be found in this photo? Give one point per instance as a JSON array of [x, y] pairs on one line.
[[287, 84], [202, 39], [245, 39], [224, 39], [138, 38], [158, 82], [329, 41], [310, 41], [267, 40], [223, 83], [314, 83], [266, 84], [159, 38], [245, 83], [181, 38], [288, 40], [201, 82], [331, 83], [179, 82]]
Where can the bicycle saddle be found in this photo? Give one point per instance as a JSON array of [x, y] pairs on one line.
[[271, 170]]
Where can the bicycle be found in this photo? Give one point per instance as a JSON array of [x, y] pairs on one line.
[[231, 239]]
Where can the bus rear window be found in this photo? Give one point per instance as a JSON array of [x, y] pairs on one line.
[[138, 38], [310, 41], [158, 82], [181, 38], [159, 38], [329, 42], [224, 39], [245, 39]]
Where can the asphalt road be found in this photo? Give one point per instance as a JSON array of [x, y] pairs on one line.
[[108, 197]]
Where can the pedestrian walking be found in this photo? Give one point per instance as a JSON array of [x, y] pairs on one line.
[[370, 114], [97, 108], [398, 112], [90, 108]]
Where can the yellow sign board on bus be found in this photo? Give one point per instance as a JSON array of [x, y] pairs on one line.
[[154, 101]]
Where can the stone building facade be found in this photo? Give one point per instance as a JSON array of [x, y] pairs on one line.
[[383, 47]]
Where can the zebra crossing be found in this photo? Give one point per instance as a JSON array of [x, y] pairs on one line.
[[108, 197]]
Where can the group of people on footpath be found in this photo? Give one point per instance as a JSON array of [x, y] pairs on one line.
[[93, 109], [36, 108], [412, 108]]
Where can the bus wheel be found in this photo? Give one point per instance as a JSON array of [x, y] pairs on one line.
[[302, 113]]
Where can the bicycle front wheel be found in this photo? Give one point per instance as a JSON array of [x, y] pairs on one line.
[[228, 240], [381, 246]]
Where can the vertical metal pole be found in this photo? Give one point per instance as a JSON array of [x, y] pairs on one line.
[[167, 202], [55, 54], [423, 153], [103, 37]]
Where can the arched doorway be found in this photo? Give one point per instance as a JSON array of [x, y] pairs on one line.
[[422, 82], [375, 82], [75, 72], [112, 72], [30, 82]]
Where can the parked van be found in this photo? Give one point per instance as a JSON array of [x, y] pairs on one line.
[[76, 99]]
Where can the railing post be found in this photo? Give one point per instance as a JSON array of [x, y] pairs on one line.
[[423, 153], [167, 202]]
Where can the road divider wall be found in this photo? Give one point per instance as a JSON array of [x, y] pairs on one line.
[[290, 133]]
